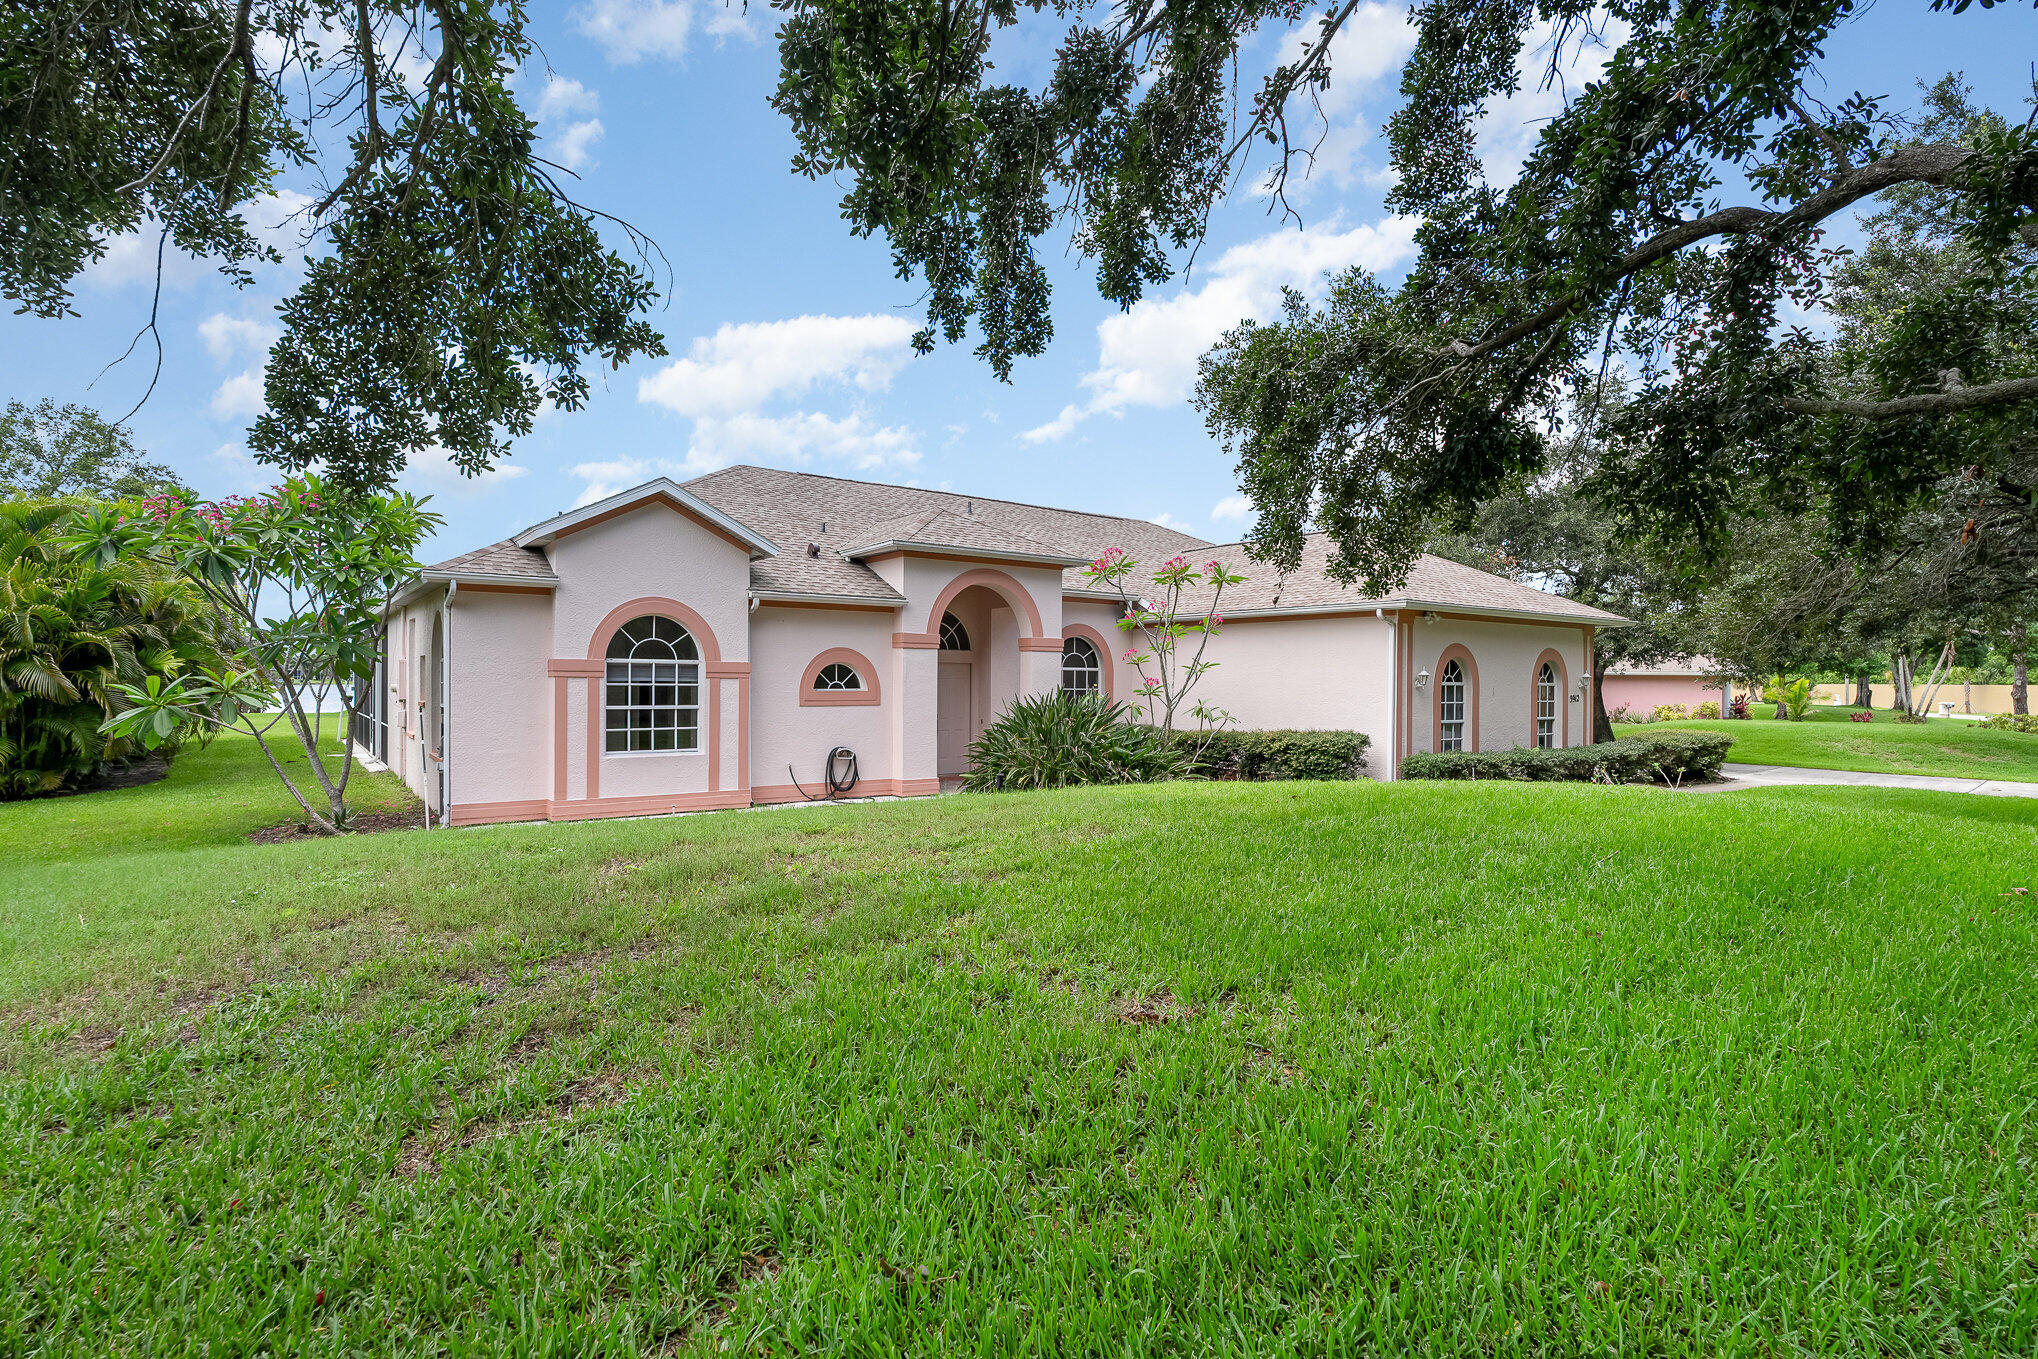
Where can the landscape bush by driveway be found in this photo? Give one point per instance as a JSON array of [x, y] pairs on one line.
[[1330, 755], [1653, 756]]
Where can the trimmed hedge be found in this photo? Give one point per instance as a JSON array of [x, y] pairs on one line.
[[1265, 755], [1645, 757]]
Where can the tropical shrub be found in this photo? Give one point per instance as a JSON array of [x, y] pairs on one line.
[[1668, 712], [1158, 618], [1737, 711], [1708, 711], [2024, 722], [1624, 713], [1258, 755], [1059, 740], [1793, 697], [72, 633], [1861, 715], [1663, 757]]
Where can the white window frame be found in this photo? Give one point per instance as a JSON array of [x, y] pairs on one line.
[[823, 685], [1546, 706], [1092, 670], [652, 663], [1447, 738], [952, 631]]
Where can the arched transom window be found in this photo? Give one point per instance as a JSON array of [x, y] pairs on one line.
[[1082, 671], [1451, 706], [653, 679], [837, 676], [954, 637], [1546, 706]]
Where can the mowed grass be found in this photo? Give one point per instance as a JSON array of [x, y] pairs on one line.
[[1828, 740], [213, 795], [1192, 1069]]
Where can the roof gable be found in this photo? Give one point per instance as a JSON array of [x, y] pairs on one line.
[[663, 491]]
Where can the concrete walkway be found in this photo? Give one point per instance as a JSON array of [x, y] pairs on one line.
[[1777, 775]]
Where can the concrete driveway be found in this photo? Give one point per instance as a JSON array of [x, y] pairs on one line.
[[1774, 775]]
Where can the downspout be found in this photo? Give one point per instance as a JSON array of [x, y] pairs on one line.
[[1393, 692], [446, 708]]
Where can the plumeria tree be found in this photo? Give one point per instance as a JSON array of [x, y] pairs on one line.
[[296, 578], [1160, 622]]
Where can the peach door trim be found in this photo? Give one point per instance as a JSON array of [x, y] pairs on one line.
[[869, 696], [998, 581], [1040, 644], [916, 641], [1455, 651], [1555, 658]]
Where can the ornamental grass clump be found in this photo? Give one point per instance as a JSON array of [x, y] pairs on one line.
[[1059, 740]]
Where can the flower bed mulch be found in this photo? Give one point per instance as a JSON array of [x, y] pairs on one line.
[[367, 823]]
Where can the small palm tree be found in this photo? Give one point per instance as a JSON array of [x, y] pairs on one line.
[[69, 632]]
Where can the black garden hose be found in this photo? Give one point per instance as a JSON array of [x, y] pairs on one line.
[[838, 774]]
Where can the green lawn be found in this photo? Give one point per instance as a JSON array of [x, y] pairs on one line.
[[1828, 740], [1195, 1069], [213, 796]]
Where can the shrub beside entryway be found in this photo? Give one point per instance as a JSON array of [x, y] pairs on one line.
[[1266, 755]]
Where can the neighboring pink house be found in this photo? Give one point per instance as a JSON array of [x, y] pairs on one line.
[[1686, 680], [678, 647]]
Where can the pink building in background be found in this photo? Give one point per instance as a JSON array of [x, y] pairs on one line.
[[680, 647], [1686, 680]]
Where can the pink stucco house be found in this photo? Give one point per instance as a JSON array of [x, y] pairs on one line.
[[1685, 680], [679, 647]]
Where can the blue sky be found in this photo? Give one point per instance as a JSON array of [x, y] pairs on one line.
[[788, 337]]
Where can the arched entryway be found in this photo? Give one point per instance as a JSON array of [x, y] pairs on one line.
[[980, 630]]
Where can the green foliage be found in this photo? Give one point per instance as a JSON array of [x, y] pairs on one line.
[[1659, 757], [1268, 755], [2024, 722], [452, 283], [1058, 740], [75, 636], [49, 451], [1382, 412], [297, 579], [1794, 696]]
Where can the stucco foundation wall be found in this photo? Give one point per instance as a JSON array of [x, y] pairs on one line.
[[1321, 674], [1505, 655], [783, 732], [1642, 694], [502, 697]]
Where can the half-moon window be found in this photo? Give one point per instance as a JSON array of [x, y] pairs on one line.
[[954, 637], [838, 676]]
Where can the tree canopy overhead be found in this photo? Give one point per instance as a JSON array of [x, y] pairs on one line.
[[454, 283]]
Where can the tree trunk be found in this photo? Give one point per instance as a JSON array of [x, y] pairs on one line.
[[1864, 692], [1602, 725], [1900, 683], [2020, 701]]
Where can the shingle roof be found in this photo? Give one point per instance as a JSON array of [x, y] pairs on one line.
[[791, 508], [837, 516], [1433, 582], [504, 559]]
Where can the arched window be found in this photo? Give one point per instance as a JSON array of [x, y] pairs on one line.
[[838, 676], [954, 637], [653, 680], [1082, 673], [1546, 706], [1451, 707]]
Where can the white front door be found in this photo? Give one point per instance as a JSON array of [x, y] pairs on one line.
[[953, 728]]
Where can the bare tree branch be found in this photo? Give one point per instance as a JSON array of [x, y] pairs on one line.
[[1921, 403]]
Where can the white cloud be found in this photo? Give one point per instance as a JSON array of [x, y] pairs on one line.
[[1233, 509], [572, 147], [740, 367], [1147, 356], [1166, 520], [431, 471], [631, 30], [240, 396], [1373, 42], [563, 97], [226, 336]]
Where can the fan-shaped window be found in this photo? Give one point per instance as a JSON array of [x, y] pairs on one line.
[[653, 688], [838, 676], [954, 637], [1451, 706], [1081, 672], [1546, 706]]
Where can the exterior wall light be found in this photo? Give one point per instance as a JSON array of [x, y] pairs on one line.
[[1422, 679]]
